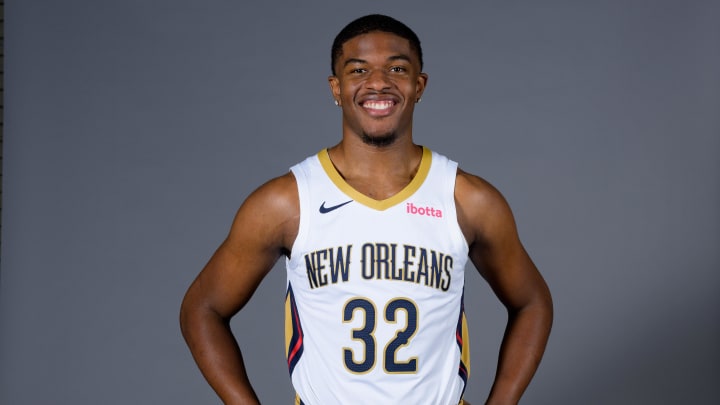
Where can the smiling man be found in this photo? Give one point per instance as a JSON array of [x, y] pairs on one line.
[[376, 232]]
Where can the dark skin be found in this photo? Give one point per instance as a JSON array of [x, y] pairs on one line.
[[377, 84]]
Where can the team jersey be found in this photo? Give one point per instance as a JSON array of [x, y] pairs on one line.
[[374, 305]]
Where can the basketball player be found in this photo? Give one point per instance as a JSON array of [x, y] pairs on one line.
[[376, 231]]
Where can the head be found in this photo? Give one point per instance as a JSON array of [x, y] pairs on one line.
[[377, 78], [371, 23]]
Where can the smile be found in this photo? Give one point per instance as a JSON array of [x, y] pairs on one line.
[[378, 107]]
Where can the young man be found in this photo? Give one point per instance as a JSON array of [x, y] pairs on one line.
[[376, 232]]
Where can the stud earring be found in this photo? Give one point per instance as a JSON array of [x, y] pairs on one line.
[[418, 100], [337, 103]]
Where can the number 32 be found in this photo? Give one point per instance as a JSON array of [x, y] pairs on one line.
[[365, 335]]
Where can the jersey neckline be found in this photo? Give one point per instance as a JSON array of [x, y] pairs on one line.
[[380, 205]]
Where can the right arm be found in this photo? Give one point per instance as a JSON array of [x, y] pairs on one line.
[[263, 229]]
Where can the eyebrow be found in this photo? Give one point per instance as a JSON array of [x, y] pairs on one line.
[[390, 59]]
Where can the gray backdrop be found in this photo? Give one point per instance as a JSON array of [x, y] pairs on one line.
[[134, 129]]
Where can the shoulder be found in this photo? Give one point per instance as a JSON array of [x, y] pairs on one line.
[[277, 193], [481, 208], [475, 194], [271, 212]]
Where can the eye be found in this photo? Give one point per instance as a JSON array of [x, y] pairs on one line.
[[358, 71], [398, 69]]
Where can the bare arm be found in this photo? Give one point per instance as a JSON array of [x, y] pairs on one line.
[[264, 228], [497, 253]]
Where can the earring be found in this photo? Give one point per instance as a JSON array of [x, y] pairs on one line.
[[337, 103], [418, 100]]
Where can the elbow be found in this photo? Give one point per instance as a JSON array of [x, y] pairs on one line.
[[547, 304], [185, 316], [197, 315], [538, 306], [544, 311], [192, 314], [548, 311], [542, 306]]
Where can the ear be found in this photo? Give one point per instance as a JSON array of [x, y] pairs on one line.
[[335, 88], [420, 85]]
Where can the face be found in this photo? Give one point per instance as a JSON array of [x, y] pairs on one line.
[[377, 83]]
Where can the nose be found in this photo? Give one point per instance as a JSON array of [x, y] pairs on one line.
[[378, 80]]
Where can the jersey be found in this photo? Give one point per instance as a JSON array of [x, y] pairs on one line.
[[374, 305]]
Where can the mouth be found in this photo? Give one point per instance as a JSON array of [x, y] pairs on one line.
[[378, 108]]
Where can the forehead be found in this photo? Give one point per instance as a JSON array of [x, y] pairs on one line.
[[377, 45]]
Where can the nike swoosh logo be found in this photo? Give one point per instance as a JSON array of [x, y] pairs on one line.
[[325, 210]]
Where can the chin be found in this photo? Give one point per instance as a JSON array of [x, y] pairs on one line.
[[379, 139]]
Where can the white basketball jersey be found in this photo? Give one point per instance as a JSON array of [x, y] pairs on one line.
[[374, 305]]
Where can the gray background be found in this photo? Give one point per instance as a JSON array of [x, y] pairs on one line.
[[134, 130]]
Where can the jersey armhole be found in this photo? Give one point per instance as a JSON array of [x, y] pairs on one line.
[[303, 198], [452, 172]]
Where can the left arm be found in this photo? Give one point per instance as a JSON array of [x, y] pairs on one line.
[[496, 251]]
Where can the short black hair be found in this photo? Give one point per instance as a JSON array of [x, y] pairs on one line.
[[372, 23]]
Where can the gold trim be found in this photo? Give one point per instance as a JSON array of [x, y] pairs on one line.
[[288, 325], [379, 205], [465, 352]]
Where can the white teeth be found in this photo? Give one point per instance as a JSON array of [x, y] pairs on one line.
[[378, 105]]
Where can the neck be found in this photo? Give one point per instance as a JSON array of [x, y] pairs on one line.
[[376, 171], [356, 156]]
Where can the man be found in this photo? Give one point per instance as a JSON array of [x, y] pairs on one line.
[[376, 232]]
